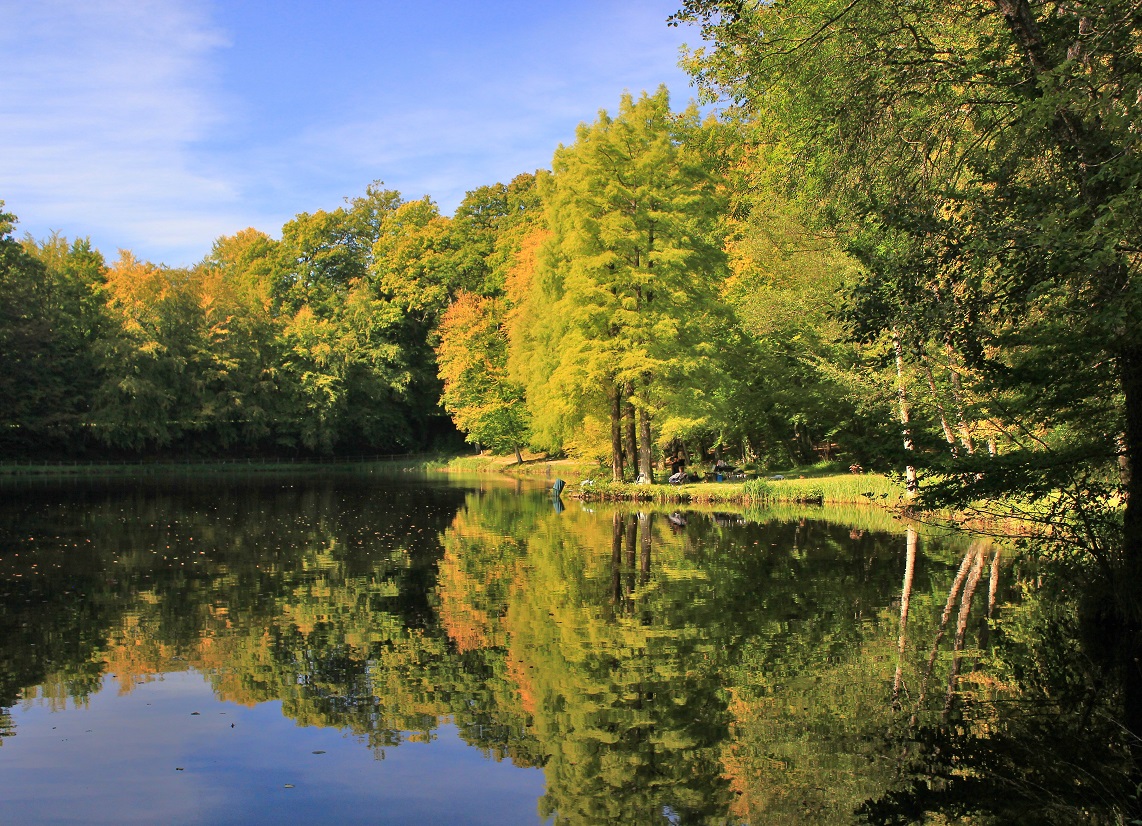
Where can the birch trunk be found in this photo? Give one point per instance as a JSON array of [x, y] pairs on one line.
[[949, 436], [905, 599], [958, 397]]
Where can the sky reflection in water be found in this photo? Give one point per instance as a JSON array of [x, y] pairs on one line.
[[170, 752]]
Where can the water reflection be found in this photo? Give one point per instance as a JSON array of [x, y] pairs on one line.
[[658, 665]]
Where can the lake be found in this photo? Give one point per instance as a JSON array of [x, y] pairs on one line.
[[409, 648]]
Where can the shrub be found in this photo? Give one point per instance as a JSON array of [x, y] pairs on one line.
[[756, 489]]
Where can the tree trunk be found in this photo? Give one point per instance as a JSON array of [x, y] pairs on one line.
[[1130, 372], [631, 444], [958, 397], [1129, 607], [616, 434], [905, 415], [518, 455], [1123, 461], [644, 463], [949, 436]]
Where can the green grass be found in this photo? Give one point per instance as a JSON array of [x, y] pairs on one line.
[[834, 489], [464, 464], [570, 470], [847, 487], [817, 471]]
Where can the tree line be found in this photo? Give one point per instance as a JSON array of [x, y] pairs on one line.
[[316, 343], [610, 307]]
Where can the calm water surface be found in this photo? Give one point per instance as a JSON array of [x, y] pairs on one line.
[[354, 649]]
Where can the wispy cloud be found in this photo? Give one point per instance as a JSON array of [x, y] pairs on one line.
[[500, 101], [158, 125], [104, 104]]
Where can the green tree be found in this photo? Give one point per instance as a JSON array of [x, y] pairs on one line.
[[981, 158], [472, 358], [239, 277], [793, 389], [493, 233], [630, 273], [356, 288], [51, 321], [488, 230], [152, 392]]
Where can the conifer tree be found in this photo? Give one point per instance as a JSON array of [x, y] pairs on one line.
[[629, 278]]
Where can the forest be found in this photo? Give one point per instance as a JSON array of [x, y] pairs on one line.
[[618, 293], [908, 235]]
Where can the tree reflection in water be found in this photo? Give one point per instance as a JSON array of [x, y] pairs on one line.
[[698, 667]]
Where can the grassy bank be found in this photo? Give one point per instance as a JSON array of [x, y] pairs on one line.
[[812, 485], [817, 485], [835, 489], [533, 465]]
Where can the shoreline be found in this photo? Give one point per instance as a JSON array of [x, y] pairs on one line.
[[819, 489], [172, 467]]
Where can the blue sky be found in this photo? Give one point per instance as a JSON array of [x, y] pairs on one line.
[[159, 125]]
